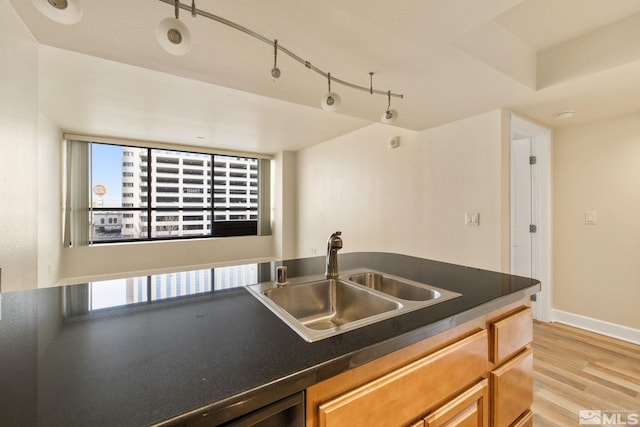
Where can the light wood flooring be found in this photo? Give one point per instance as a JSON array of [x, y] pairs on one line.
[[576, 369]]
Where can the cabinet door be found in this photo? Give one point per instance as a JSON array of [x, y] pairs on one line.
[[400, 397], [510, 335], [470, 409], [512, 389]]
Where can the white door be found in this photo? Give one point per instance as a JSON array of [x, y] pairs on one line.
[[530, 208], [521, 221]]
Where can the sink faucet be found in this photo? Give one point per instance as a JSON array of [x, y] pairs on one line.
[[333, 245]]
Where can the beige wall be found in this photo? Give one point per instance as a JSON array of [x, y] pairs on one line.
[[596, 268], [18, 164], [411, 199]]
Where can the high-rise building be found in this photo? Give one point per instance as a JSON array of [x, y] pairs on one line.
[[182, 189], [167, 193]]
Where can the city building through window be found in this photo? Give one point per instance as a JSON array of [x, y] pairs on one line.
[[143, 193]]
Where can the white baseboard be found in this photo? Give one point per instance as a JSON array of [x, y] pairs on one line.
[[613, 330]]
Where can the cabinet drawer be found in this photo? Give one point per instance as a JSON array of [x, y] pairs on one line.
[[510, 335], [470, 409], [512, 389], [399, 397]]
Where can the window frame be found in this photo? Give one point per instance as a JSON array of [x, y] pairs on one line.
[[213, 228]]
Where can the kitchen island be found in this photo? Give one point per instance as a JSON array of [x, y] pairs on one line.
[[208, 358]]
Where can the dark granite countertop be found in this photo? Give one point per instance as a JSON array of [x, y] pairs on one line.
[[219, 354]]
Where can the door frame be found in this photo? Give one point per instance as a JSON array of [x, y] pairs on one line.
[[541, 209]]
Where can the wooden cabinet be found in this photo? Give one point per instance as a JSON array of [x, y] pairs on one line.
[[510, 334], [511, 379], [470, 409], [476, 374], [401, 396], [512, 389]]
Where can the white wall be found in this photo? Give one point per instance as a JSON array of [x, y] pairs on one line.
[[31, 252], [411, 199], [18, 164], [596, 268], [284, 205], [131, 259], [49, 201]]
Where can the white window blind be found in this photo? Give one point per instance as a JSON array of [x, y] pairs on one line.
[[76, 199]]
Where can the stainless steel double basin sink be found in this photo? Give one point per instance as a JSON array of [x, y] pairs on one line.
[[318, 308]]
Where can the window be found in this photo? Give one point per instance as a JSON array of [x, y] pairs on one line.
[[93, 297], [167, 195], [193, 190]]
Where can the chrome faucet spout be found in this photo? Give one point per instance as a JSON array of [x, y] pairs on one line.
[[333, 245]]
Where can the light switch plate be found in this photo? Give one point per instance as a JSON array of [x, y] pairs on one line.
[[590, 218], [472, 219]]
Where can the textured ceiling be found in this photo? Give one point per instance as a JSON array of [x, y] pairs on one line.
[[107, 75]]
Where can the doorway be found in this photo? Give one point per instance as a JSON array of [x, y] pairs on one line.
[[531, 208]]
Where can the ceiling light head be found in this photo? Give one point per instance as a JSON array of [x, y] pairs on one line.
[[174, 36], [62, 11], [59, 4], [275, 71], [331, 101], [389, 116], [566, 114]]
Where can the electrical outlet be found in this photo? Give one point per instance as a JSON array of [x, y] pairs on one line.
[[472, 219]]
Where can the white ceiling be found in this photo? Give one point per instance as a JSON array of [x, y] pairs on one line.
[[107, 75]]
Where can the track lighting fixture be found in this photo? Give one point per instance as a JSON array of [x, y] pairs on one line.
[[173, 35], [275, 71], [62, 11], [331, 101], [389, 116]]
